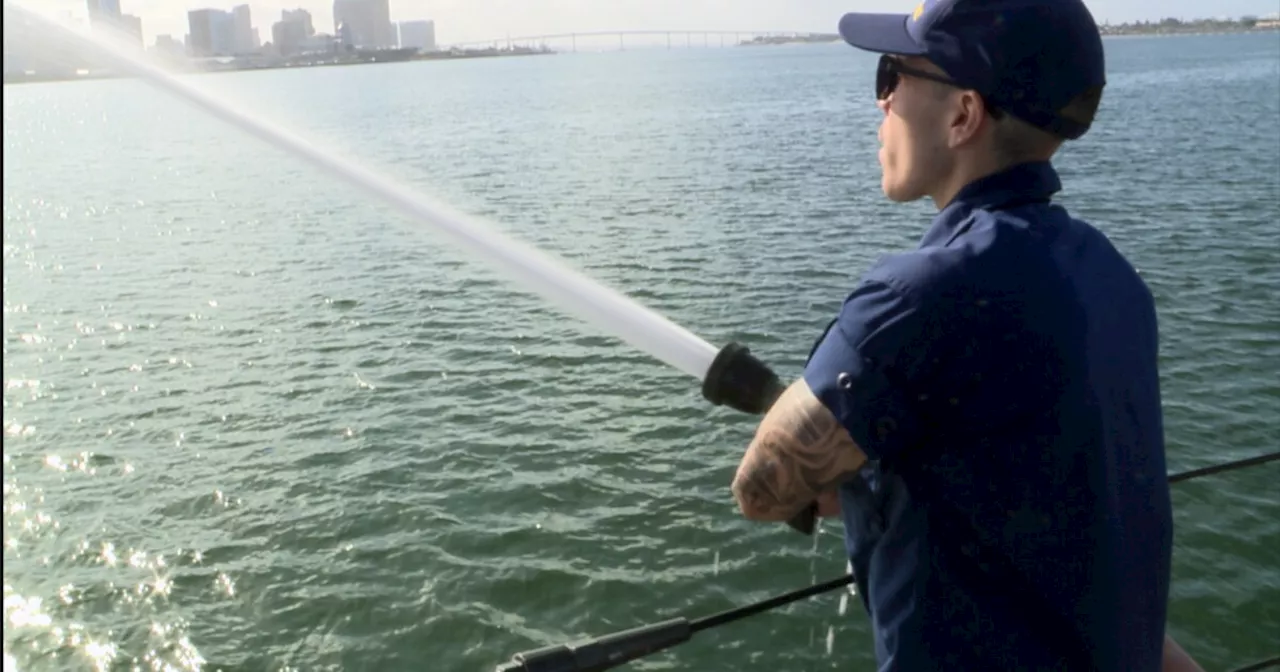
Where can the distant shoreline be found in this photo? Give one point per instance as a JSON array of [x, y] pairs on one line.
[[818, 38], [1192, 33], [1166, 28], [189, 69], [1123, 30]]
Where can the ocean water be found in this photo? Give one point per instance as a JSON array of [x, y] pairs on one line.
[[254, 421]]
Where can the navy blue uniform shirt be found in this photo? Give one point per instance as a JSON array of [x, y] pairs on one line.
[[1002, 379]]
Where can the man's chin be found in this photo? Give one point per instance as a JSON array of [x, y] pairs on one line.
[[888, 185], [897, 192], [894, 192]]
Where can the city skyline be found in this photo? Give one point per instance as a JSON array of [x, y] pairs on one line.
[[471, 20]]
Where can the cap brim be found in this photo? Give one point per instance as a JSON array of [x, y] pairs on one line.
[[881, 33]]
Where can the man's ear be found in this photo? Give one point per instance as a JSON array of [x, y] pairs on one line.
[[968, 112]]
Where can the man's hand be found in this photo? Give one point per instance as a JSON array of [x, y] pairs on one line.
[[800, 451]]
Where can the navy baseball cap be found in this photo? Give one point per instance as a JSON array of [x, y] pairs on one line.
[[1031, 58]]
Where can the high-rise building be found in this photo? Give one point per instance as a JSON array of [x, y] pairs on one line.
[[224, 34], [132, 26], [368, 22], [287, 36], [293, 32], [105, 15], [200, 32], [242, 30], [419, 35], [344, 36], [212, 33], [302, 16], [384, 31], [100, 8]]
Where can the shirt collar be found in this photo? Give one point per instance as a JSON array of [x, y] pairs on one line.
[[1025, 182]]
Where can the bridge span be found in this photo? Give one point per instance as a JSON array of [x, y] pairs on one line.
[[648, 38]]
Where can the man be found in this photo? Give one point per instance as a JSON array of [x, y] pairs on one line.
[[984, 412]]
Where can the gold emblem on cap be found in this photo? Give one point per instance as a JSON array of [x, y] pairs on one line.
[[915, 16]]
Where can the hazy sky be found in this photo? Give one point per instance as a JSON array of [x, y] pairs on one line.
[[466, 20]]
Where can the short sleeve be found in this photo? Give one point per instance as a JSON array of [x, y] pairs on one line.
[[862, 369]]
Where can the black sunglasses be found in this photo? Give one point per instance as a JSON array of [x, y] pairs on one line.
[[890, 72]]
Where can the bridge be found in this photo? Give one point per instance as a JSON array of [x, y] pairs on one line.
[[647, 38]]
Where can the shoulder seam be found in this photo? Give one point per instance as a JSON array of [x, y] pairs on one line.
[[896, 287]]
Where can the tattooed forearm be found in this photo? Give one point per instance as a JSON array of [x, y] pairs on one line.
[[799, 451]]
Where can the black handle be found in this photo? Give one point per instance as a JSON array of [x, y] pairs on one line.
[[740, 381], [805, 521], [595, 655]]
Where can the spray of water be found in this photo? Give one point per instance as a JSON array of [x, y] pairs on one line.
[[576, 294]]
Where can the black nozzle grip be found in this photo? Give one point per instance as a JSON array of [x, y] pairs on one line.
[[594, 655], [805, 521], [740, 381]]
